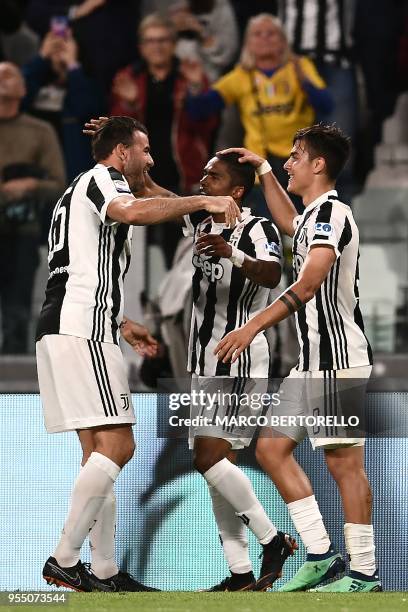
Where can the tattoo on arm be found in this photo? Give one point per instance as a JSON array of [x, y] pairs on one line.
[[294, 303], [295, 298]]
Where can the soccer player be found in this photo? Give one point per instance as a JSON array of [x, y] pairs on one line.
[[81, 370], [233, 271], [333, 348]]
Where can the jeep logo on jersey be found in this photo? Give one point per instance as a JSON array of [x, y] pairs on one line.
[[324, 228], [213, 271], [272, 248]]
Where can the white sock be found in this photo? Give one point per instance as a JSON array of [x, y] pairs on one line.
[[92, 487], [102, 540], [309, 524], [233, 534], [360, 547], [237, 489]]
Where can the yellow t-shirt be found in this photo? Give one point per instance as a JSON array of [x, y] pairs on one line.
[[285, 106]]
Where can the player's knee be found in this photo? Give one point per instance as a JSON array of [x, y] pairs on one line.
[[202, 462], [267, 454], [128, 450], [345, 468]]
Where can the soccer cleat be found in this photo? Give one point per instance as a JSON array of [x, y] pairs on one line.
[[76, 577], [274, 556], [120, 582], [235, 582], [315, 570], [354, 582]]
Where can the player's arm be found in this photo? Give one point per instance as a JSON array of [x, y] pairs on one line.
[[279, 204], [138, 337], [149, 211], [317, 266], [265, 273]]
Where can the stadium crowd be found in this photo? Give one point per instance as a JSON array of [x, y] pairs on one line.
[[178, 67]]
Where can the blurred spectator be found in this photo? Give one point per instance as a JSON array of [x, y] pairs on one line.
[[18, 43], [323, 31], [377, 31], [59, 91], [244, 10], [154, 92], [103, 29], [31, 178], [276, 92], [207, 30]]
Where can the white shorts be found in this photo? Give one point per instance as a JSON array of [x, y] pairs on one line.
[[83, 383], [327, 393], [237, 400]]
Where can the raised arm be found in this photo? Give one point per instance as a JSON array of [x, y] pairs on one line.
[[279, 204]]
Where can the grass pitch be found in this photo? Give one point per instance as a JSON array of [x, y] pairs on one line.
[[225, 602]]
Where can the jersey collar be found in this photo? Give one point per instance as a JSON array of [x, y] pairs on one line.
[[329, 195], [245, 213]]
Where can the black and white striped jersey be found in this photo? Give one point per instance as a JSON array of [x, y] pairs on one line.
[[224, 299], [321, 29], [330, 326], [88, 257]]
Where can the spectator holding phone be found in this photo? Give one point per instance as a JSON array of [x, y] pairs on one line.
[[103, 29], [59, 90]]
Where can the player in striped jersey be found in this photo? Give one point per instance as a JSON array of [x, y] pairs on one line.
[[333, 348], [81, 370], [233, 269]]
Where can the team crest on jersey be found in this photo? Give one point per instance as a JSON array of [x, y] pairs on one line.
[[324, 228], [272, 248], [125, 401], [213, 271]]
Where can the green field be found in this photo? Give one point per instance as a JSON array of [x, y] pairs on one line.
[[238, 602]]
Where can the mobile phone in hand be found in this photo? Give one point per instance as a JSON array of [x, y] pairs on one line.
[[59, 25]]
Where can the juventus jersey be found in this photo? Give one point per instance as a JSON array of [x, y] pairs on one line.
[[330, 326], [224, 299], [89, 255]]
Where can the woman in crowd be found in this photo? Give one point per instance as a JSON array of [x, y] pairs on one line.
[[276, 92]]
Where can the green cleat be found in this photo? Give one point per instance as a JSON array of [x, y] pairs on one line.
[[315, 570], [354, 582]]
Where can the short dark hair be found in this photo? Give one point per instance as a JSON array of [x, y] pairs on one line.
[[116, 130], [242, 174], [326, 141]]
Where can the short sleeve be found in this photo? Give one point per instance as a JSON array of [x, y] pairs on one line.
[[267, 242], [230, 86], [105, 185], [331, 227]]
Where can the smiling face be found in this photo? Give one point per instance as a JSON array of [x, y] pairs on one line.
[[300, 168], [137, 158], [216, 181]]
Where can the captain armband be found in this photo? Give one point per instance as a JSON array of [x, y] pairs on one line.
[[291, 301]]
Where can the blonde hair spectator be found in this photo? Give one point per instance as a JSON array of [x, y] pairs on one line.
[[252, 35]]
